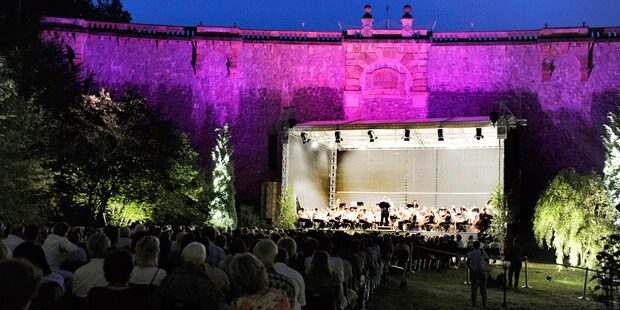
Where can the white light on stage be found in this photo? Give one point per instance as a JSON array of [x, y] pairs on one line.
[[314, 144]]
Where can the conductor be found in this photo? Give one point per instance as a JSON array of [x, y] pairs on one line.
[[385, 211]]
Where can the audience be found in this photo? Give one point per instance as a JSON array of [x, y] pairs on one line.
[[146, 271], [56, 247], [19, 285], [266, 251], [5, 252], [189, 285], [91, 275], [320, 277], [250, 277], [118, 295], [15, 237], [287, 245]]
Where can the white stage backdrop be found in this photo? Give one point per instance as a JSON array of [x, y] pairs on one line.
[[308, 173], [434, 177]]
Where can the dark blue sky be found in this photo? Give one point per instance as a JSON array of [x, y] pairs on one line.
[[451, 15]]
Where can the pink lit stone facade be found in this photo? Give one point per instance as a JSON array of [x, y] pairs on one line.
[[563, 81]]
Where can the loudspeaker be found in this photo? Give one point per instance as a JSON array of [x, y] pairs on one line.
[[502, 132], [272, 149]]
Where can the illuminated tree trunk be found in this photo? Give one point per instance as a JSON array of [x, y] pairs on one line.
[[222, 212]]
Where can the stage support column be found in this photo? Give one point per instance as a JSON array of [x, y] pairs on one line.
[[285, 134], [332, 177]]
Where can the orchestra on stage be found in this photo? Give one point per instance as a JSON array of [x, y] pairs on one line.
[[384, 215]]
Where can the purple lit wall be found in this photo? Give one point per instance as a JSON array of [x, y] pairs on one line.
[[563, 83]]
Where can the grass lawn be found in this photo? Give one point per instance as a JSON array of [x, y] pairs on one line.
[[445, 289]]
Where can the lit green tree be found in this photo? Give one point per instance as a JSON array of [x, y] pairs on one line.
[[611, 171], [571, 217], [285, 213], [501, 215], [222, 212]]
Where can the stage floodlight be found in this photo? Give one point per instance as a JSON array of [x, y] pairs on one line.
[[479, 135], [337, 136], [371, 136], [304, 138], [315, 144], [407, 136], [494, 116], [439, 134]]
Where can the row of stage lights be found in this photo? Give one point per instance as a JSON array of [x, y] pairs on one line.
[[372, 137]]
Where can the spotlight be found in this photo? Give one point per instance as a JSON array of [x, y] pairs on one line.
[[494, 116], [407, 135], [315, 144], [371, 135], [304, 138], [479, 135], [337, 135], [439, 134]]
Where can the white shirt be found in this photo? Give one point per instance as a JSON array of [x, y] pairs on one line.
[[88, 276], [55, 248], [298, 283], [144, 275], [12, 241]]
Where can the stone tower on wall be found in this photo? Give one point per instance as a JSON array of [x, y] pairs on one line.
[[386, 76]]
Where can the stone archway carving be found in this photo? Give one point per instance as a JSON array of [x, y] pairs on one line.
[[385, 79], [581, 50]]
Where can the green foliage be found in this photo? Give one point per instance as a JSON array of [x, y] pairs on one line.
[[609, 264], [286, 216], [570, 217], [248, 218], [501, 215], [222, 211], [25, 177], [124, 213], [611, 170]]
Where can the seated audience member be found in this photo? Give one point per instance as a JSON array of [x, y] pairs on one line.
[[113, 234], [146, 271], [218, 277], [15, 237], [216, 254], [298, 281], [189, 285], [124, 242], [237, 246], [32, 233], [320, 277], [19, 284], [56, 247], [35, 255], [5, 252], [118, 295], [250, 277], [74, 260], [91, 275], [266, 251]]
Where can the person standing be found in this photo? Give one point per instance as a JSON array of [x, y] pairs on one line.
[[515, 257], [385, 211], [478, 263]]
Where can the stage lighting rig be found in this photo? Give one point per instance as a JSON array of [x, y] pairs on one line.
[[440, 134], [479, 135], [371, 136], [304, 138], [338, 137], [407, 136]]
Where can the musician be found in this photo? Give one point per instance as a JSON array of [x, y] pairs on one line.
[[429, 218], [414, 204], [303, 220], [385, 211]]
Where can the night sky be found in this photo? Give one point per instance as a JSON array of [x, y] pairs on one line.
[[451, 15]]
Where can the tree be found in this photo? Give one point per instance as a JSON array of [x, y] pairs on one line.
[[247, 217], [111, 11], [501, 215], [611, 170], [570, 217], [286, 216], [222, 212]]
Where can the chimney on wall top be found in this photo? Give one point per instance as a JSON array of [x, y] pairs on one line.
[[367, 20], [407, 22]]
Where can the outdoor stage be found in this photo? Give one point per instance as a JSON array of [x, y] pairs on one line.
[[440, 162]]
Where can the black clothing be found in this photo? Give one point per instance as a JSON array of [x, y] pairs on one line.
[[129, 299], [385, 213]]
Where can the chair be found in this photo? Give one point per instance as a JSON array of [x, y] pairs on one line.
[[316, 300]]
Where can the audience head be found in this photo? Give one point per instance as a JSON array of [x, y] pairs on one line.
[[194, 254], [237, 246], [147, 251], [17, 230], [139, 229], [34, 254], [32, 232], [209, 232], [248, 273], [282, 256], [220, 241], [124, 232], [112, 233], [289, 245], [98, 245], [117, 267], [266, 251], [5, 252], [476, 244], [20, 282], [319, 265], [61, 229]]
